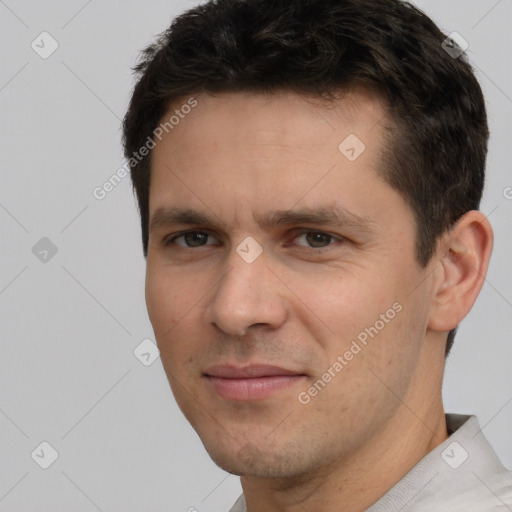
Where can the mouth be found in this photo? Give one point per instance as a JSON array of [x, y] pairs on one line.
[[254, 382]]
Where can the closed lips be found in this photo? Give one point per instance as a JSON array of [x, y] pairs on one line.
[[248, 372]]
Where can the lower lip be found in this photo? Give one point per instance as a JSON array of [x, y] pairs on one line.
[[255, 388]]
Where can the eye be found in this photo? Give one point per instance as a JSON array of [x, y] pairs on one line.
[[316, 239], [190, 239], [306, 238]]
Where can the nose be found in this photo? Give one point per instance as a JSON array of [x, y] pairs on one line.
[[248, 294]]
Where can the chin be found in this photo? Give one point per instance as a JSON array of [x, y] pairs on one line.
[[250, 460]]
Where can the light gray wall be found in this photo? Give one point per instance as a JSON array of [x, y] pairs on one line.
[[68, 375]]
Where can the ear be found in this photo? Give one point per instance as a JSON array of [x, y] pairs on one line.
[[463, 258]]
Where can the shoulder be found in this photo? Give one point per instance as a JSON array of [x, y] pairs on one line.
[[485, 483], [239, 505]]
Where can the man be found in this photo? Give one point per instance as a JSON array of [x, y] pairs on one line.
[[308, 176]]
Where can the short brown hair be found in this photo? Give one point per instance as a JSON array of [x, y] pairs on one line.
[[438, 148]]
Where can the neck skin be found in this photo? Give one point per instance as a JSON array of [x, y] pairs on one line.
[[360, 479]]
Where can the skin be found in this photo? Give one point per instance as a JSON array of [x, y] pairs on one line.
[[304, 300]]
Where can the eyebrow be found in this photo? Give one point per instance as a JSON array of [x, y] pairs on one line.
[[331, 214]]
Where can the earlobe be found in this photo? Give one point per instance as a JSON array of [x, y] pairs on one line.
[[465, 253]]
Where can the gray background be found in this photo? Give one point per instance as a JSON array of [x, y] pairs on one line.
[[69, 325]]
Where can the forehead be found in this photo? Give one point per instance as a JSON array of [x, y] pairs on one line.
[[281, 117], [239, 151]]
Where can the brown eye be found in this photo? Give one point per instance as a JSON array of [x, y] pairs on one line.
[[315, 239], [190, 239]]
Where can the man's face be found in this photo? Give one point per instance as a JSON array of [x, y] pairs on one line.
[[346, 291]]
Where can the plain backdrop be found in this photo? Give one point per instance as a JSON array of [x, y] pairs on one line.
[[71, 319]]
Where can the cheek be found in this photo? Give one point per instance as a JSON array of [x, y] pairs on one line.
[[161, 301], [350, 302], [173, 302], [170, 292], [170, 303], [366, 318]]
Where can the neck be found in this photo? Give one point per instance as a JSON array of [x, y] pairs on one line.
[[360, 479]]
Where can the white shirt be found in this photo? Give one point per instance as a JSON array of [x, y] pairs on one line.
[[463, 474]]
